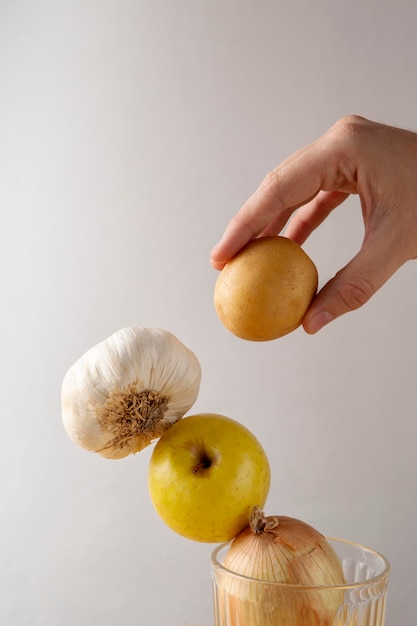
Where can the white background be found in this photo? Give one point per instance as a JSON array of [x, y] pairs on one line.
[[130, 133]]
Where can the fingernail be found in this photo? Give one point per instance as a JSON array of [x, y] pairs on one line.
[[317, 321]]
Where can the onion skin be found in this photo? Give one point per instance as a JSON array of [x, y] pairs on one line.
[[288, 553], [278, 549]]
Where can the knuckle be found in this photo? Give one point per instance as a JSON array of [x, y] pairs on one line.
[[352, 121], [345, 141], [238, 223], [271, 186], [351, 129], [355, 292], [271, 182]]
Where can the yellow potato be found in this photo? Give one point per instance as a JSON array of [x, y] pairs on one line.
[[265, 290]]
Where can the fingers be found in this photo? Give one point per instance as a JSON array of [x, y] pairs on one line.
[[328, 164], [289, 186], [310, 216], [352, 286]]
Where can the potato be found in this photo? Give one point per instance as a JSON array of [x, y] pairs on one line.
[[265, 290]]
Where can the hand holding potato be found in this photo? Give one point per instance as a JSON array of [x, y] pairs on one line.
[[355, 156]]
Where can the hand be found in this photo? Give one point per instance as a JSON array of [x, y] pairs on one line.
[[356, 156]]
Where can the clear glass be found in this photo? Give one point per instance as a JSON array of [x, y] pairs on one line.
[[242, 601]]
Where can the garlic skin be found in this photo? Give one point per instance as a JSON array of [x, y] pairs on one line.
[[124, 392]]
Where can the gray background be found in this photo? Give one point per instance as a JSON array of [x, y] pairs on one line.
[[130, 133]]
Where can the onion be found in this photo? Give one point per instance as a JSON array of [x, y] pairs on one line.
[[278, 549]]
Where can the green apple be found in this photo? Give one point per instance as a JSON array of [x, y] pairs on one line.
[[206, 474]]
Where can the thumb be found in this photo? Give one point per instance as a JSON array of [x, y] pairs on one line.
[[351, 287]]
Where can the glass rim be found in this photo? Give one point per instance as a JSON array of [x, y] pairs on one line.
[[341, 587]]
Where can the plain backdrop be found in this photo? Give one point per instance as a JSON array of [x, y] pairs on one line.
[[131, 131]]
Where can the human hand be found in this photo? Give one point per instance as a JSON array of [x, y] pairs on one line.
[[355, 156]]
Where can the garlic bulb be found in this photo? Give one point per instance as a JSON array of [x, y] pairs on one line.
[[124, 392], [289, 552]]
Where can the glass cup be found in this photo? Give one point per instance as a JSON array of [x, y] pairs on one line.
[[242, 601]]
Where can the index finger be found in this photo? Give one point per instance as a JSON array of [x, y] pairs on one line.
[[290, 185]]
